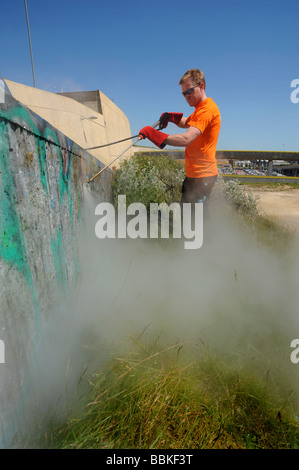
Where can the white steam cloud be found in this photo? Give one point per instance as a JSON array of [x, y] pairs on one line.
[[233, 295]]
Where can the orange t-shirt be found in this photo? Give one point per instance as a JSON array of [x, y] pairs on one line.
[[200, 155]]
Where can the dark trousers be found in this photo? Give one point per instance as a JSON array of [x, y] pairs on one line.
[[197, 189]]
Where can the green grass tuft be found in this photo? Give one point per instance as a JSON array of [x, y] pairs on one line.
[[155, 400]]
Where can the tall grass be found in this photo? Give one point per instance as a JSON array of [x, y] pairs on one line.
[[156, 399]]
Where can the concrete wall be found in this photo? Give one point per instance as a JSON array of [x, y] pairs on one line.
[[89, 119], [42, 177]]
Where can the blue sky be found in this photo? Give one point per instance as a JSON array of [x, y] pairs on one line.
[[136, 51]]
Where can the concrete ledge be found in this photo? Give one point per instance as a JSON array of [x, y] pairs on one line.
[[261, 179]]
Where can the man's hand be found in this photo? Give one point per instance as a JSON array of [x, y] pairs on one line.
[[154, 136], [165, 118]]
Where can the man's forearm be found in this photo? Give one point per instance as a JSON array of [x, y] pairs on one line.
[[183, 140], [177, 140]]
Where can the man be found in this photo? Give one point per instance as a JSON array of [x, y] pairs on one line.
[[200, 139]]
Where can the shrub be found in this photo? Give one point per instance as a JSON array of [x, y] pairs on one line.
[[149, 179], [242, 199]]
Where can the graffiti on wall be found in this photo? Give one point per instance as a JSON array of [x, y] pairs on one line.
[[17, 175], [42, 174]]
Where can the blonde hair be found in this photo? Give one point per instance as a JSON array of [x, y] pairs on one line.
[[196, 75]]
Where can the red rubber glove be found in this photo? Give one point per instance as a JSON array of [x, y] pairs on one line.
[[154, 136], [165, 118]]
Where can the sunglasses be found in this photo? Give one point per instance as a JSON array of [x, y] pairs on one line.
[[189, 91]]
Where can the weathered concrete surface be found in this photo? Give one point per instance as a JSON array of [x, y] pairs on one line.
[[42, 177]]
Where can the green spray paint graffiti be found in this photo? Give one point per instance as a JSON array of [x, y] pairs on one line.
[[12, 244], [22, 116], [64, 170], [65, 163], [12, 247]]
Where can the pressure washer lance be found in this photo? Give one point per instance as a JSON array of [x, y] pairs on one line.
[[112, 143], [118, 156]]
